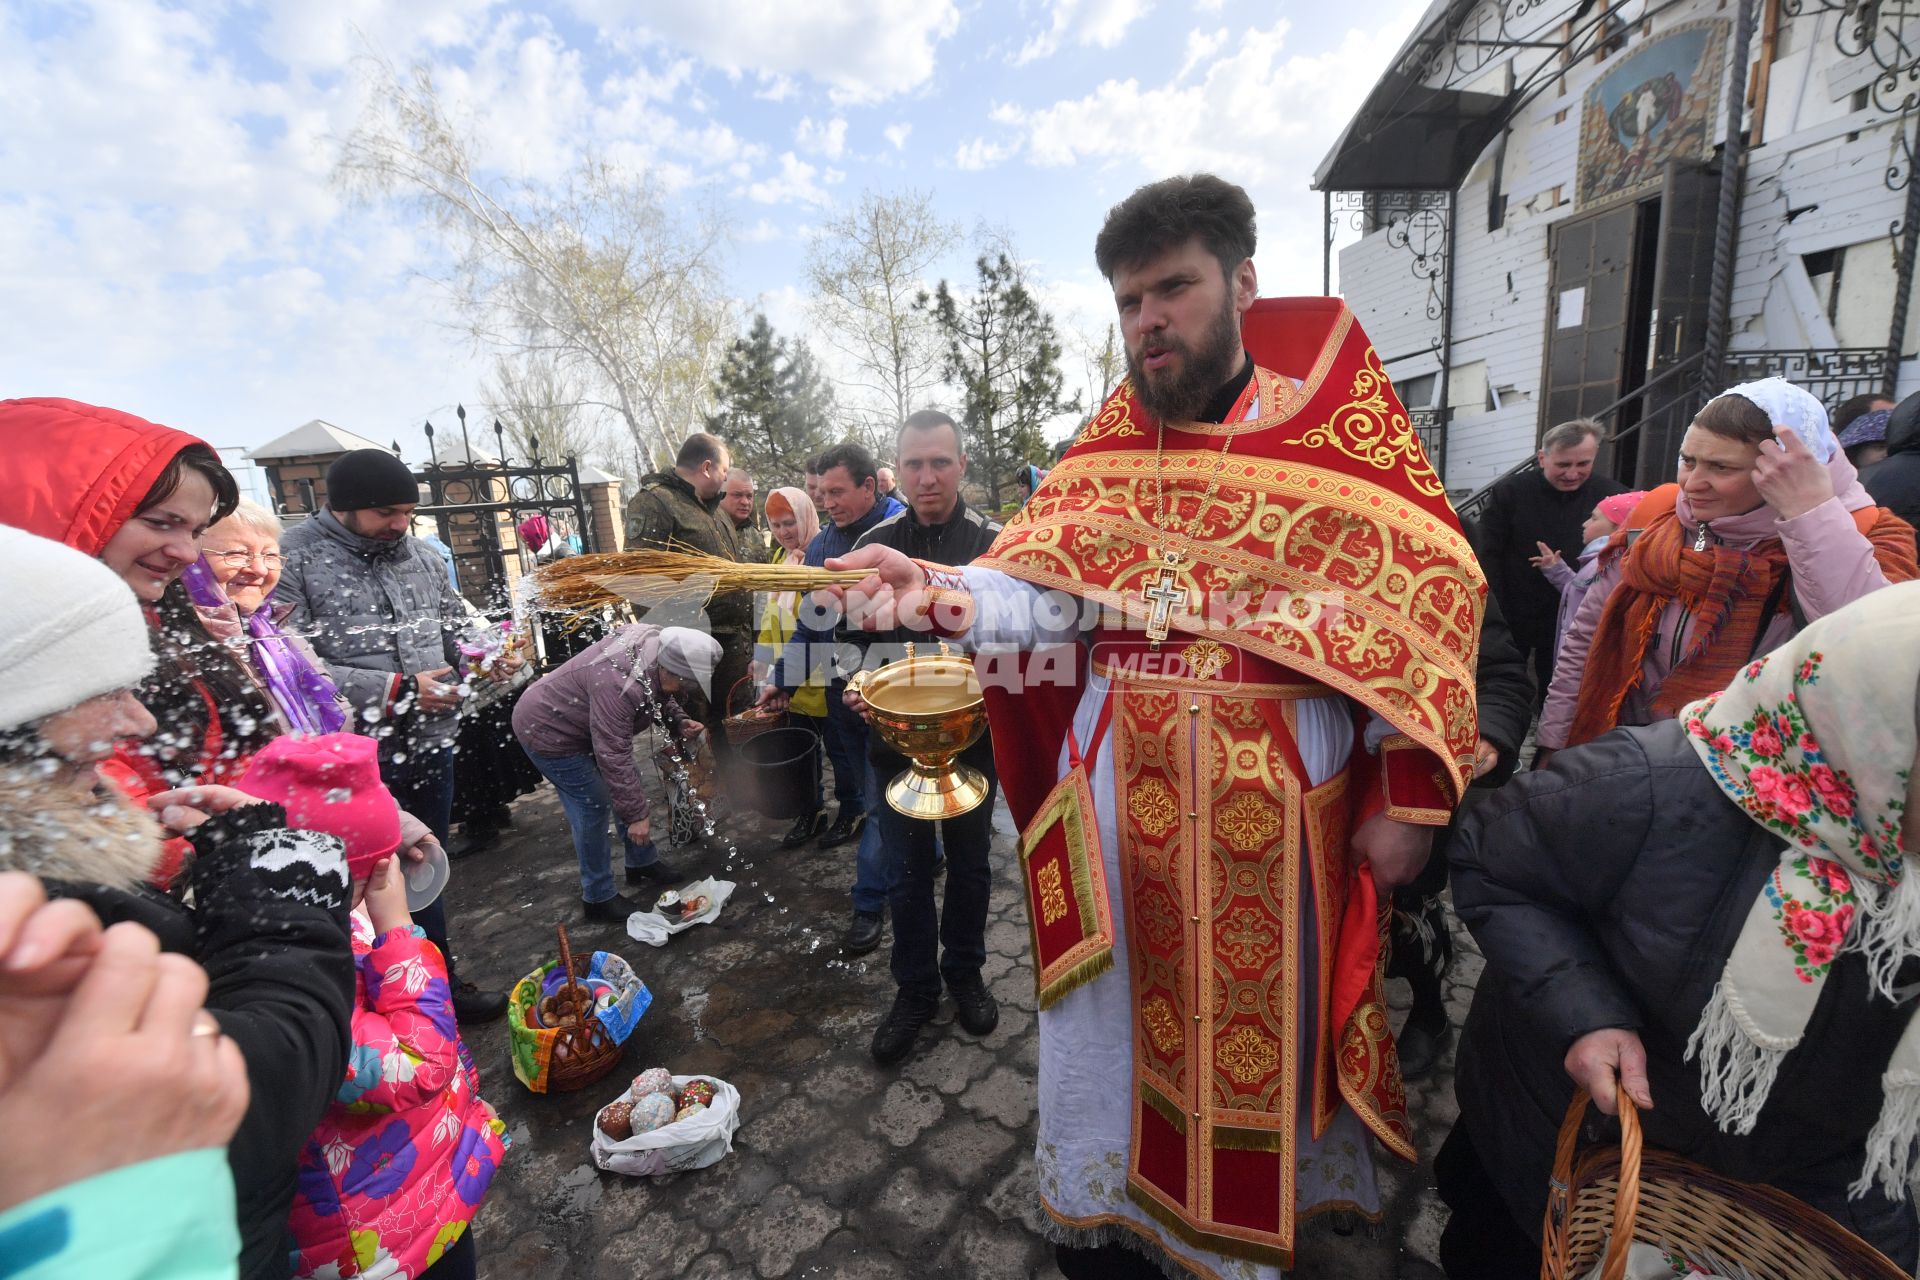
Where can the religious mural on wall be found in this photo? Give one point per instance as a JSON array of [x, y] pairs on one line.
[[1655, 102]]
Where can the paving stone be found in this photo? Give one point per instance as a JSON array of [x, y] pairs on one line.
[[916, 1202], [948, 1065], [854, 1255], [659, 1247], [836, 1160], [1016, 1197], [779, 1129], [981, 1247], [1005, 1095], [906, 1111], [964, 1149], [786, 1224]]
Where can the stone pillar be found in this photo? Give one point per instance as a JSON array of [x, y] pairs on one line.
[[609, 519], [285, 476]]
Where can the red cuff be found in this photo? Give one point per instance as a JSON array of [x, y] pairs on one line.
[[949, 611], [1413, 783]]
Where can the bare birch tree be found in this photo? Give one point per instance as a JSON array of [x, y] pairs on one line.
[[866, 267], [591, 272], [541, 405]]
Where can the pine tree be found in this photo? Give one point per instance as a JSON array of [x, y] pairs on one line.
[[773, 405], [1003, 354]]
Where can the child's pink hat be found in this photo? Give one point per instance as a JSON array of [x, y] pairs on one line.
[[330, 784]]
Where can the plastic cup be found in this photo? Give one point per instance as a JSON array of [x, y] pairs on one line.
[[426, 878]]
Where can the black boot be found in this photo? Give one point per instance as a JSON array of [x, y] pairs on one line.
[[893, 1039], [1428, 1033], [616, 909], [979, 1012], [808, 827], [863, 932]]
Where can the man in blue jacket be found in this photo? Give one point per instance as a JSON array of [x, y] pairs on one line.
[[849, 495]]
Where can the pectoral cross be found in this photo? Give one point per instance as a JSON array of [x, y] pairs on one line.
[[1164, 596]]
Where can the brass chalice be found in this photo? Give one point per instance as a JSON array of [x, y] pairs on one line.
[[929, 709]]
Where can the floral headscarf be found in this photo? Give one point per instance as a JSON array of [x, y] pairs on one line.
[[1815, 741]]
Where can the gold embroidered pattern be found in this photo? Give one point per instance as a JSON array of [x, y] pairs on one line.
[[1153, 806], [1367, 429], [1163, 1026], [1053, 895], [1116, 418], [1249, 939], [1248, 1055], [1205, 658], [1247, 822]]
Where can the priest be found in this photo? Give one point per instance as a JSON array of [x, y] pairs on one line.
[[1229, 649]]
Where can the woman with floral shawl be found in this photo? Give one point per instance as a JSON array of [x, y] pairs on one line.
[[1713, 913]]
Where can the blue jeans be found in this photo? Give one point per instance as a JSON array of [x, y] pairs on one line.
[[589, 807], [422, 784], [872, 868], [846, 742]]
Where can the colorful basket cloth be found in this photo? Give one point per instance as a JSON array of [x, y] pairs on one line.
[[620, 1000]]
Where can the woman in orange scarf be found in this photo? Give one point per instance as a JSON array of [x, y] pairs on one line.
[[1767, 529]]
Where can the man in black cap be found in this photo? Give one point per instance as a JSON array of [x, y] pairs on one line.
[[377, 606]]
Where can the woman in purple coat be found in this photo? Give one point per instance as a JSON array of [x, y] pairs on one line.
[[577, 724]]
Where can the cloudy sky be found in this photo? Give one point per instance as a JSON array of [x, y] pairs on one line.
[[172, 242]]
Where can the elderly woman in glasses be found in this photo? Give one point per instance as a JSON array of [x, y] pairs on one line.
[[239, 566]]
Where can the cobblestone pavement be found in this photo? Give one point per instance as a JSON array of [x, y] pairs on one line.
[[841, 1168]]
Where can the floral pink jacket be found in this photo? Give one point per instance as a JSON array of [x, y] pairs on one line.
[[402, 1159]]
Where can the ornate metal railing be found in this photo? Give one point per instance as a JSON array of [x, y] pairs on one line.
[[1833, 374], [466, 497], [1431, 426]]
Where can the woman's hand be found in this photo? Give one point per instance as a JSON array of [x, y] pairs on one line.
[[1547, 556], [1606, 1061], [691, 728], [1486, 757], [640, 831], [45, 949], [386, 899], [1790, 479], [772, 698], [184, 808]]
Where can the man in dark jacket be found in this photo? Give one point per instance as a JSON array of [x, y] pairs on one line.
[[377, 607], [1422, 944], [950, 944], [1894, 481], [851, 503], [679, 510], [1617, 882], [1534, 508]]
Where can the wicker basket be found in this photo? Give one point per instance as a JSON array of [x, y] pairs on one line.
[[1614, 1196], [750, 723], [552, 1059]]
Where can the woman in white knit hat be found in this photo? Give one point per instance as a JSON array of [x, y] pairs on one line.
[[269, 911]]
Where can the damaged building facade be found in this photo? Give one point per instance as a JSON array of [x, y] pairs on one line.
[[1551, 221]]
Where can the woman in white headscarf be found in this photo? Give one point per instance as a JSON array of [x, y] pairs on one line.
[[1714, 914], [577, 724], [1767, 530]]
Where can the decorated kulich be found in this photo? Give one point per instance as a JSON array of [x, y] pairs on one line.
[[1301, 548]]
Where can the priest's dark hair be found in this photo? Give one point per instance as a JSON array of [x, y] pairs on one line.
[[699, 450], [854, 456], [1166, 214]]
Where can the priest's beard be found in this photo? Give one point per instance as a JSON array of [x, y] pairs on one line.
[[1204, 369]]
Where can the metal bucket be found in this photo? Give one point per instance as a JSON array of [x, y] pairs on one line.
[[779, 771]]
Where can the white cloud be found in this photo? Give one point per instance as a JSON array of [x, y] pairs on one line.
[[797, 182], [1201, 45], [862, 50], [828, 139], [897, 134], [1102, 24], [981, 153], [764, 231]]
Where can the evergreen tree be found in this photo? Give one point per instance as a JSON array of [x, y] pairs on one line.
[[1003, 355], [773, 405]]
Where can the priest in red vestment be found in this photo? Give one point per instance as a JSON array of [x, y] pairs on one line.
[[1228, 648]]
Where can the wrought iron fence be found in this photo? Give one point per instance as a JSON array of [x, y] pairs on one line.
[[1431, 426], [1832, 374]]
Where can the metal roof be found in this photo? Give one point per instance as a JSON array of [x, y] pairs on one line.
[[316, 437]]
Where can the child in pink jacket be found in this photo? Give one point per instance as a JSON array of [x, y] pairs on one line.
[[401, 1161]]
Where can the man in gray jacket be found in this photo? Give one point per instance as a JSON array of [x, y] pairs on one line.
[[378, 608]]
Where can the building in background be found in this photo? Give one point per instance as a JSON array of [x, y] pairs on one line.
[[1551, 224]]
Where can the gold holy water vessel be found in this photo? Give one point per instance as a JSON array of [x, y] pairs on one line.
[[929, 709]]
